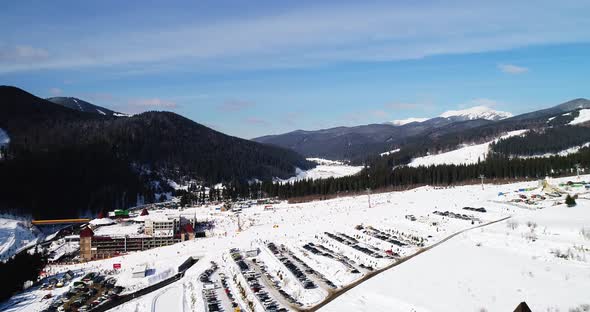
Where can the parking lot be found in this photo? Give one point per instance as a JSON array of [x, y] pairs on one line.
[[86, 294]]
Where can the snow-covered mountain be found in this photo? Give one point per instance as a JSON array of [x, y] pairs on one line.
[[477, 112], [401, 122], [83, 106]]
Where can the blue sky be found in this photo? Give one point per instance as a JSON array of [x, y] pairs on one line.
[[250, 68]]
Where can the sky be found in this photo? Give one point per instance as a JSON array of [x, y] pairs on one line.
[[252, 68]]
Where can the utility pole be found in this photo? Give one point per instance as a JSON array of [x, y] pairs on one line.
[[481, 176], [239, 224], [369, 190]]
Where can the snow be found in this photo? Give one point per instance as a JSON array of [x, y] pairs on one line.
[[584, 116], [15, 235], [401, 122], [494, 267], [103, 221], [565, 152], [4, 138], [121, 115], [467, 154], [325, 169], [477, 112], [122, 229], [101, 112], [490, 269], [390, 152], [79, 106]]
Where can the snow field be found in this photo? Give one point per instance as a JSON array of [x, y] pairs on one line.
[[583, 117], [467, 154], [486, 268]]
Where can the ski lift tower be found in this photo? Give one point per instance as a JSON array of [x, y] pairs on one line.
[[578, 169], [482, 177]]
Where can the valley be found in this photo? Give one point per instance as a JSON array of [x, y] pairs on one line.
[[358, 251]]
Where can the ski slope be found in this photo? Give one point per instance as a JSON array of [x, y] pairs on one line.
[[325, 169], [467, 154], [584, 116], [14, 235]]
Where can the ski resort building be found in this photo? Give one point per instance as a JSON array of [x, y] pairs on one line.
[[113, 240]]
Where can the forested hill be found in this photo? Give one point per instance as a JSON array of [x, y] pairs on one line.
[[83, 106], [72, 161]]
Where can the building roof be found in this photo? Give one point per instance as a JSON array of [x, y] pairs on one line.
[[188, 228], [86, 232]]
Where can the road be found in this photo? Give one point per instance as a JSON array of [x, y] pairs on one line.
[[369, 275], [165, 300]]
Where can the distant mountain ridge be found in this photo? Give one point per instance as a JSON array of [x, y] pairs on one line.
[[358, 143], [83, 106]]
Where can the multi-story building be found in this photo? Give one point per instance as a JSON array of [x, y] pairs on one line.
[[157, 232]]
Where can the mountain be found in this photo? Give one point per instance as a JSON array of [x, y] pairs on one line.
[[358, 143], [477, 112], [103, 161], [83, 106], [401, 122], [419, 136], [568, 106]]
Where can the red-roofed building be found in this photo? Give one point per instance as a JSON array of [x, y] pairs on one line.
[[187, 232], [85, 243], [144, 212]]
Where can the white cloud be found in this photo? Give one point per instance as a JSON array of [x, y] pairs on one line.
[[55, 91], [512, 69], [152, 103], [22, 54], [315, 36], [235, 105]]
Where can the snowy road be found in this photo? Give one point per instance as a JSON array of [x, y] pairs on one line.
[[169, 299]]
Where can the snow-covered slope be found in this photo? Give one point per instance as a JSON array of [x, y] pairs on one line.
[[539, 255], [491, 269], [477, 112], [389, 152], [325, 169], [468, 154], [583, 117], [401, 122], [14, 235]]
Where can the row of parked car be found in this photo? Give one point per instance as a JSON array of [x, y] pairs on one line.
[[321, 250], [84, 295], [212, 303], [275, 282], [383, 236], [309, 270], [253, 281], [228, 292], [353, 243], [302, 277], [451, 214]]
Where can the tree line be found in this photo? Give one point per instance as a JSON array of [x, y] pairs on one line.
[[381, 176], [17, 270]]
